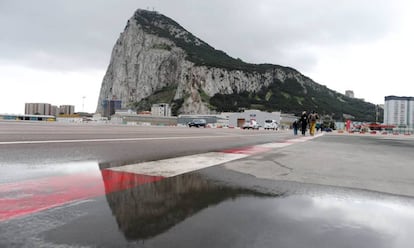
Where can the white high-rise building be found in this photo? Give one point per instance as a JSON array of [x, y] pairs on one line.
[[399, 111]]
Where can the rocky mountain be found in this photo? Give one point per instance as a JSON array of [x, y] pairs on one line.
[[156, 60]]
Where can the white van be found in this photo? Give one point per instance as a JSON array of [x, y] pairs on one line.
[[271, 124], [252, 124]]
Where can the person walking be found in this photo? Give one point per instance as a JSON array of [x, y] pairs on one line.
[[304, 122], [295, 126], [313, 117]]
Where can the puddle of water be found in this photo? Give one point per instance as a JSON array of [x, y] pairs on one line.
[[191, 211], [59, 184], [21, 172]]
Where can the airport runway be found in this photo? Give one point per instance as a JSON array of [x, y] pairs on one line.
[[121, 186], [32, 143]]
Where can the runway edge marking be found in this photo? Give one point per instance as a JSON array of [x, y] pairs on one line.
[[180, 165], [32, 196]]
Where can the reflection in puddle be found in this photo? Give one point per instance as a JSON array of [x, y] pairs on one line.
[[21, 172], [191, 211], [148, 210]]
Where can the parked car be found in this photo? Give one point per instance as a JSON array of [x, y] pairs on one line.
[[251, 125], [270, 124], [197, 123]]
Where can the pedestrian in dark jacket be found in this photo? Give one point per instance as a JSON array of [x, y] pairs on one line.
[[304, 122], [295, 126]]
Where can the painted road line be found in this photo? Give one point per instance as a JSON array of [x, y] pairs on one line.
[[31, 196], [304, 138], [275, 145], [181, 165]]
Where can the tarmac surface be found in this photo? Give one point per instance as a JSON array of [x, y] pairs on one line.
[[376, 163], [118, 186]]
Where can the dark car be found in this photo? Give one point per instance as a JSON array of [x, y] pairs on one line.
[[197, 123], [328, 129]]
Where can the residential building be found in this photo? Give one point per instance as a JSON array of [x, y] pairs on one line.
[[54, 110], [161, 109], [37, 109], [399, 111], [66, 109], [109, 107]]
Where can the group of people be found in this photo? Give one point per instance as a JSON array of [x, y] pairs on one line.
[[305, 121]]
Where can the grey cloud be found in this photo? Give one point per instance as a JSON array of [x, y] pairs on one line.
[[254, 31], [61, 34], [76, 34]]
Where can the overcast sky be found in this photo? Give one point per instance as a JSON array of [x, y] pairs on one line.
[[57, 51]]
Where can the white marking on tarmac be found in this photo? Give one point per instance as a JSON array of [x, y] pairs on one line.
[[304, 138], [181, 165], [273, 145]]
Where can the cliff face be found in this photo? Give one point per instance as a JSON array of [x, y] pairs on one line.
[[155, 56], [143, 63]]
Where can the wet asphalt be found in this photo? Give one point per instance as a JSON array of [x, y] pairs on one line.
[[216, 207]]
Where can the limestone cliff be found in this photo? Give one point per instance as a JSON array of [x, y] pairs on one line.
[[155, 56]]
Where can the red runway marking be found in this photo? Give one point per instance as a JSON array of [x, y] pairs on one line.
[[249, 150], [27, 197]]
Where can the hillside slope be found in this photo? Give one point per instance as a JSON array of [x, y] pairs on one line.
[[157, 60]]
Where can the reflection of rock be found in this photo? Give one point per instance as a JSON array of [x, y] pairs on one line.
[[150, 209]]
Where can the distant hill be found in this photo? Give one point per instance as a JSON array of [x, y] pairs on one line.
[[156, 60]]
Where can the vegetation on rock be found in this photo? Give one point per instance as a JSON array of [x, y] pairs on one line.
[[288, 96]]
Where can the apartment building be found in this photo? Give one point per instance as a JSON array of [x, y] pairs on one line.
[[161, 109], [37, 109], [66, 109], [399, 111]]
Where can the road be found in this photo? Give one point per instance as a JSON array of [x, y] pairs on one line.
[[376, 163], [30, 143], [127, 186]]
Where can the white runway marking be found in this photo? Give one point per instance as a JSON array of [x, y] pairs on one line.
[[274, 145], [181, 165], [177, 166]]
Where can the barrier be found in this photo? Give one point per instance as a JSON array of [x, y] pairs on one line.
[[374, 132]]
